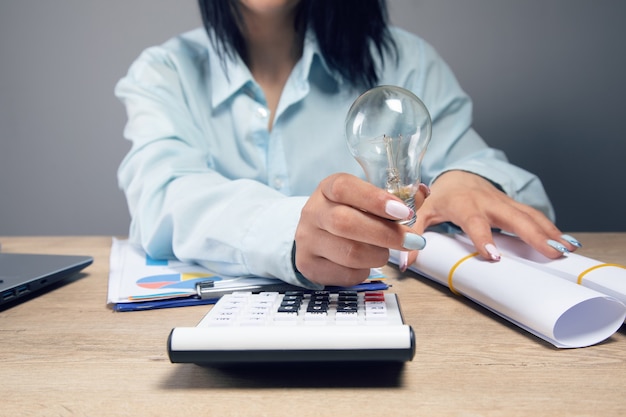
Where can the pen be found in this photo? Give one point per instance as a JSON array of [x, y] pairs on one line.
[[207, 289]]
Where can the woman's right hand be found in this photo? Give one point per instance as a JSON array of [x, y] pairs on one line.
[[347, 227]]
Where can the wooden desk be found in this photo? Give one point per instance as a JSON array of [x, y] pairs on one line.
[[65, 353]]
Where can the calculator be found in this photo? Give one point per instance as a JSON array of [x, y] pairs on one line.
[[297, 326]]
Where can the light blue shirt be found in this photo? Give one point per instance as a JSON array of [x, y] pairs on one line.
[[206, 181]]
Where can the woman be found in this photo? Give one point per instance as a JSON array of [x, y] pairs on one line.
[[239, 159]]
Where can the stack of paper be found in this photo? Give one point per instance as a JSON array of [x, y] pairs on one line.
[[542, 296], [139, 282]]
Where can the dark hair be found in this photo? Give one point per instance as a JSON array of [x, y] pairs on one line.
[[349, 32]]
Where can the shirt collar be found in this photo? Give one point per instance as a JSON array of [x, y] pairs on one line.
[[227, 76], [232, 75], [312, 54]]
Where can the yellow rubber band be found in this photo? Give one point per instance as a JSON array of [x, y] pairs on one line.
[[454, 267], [586, 271]]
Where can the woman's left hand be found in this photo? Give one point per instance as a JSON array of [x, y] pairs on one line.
[[476, 206]]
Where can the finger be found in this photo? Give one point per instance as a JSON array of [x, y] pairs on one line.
[[550, 229], [424, 191], [556, 239], [349, 190], [422, 222], [355, 225], [421, 194], [527, 223], [325, 272], [572, 241], [350, 253], [478, 228]]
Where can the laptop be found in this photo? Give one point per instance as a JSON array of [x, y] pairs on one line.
[[22, 275]]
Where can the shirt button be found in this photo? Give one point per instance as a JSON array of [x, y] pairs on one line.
[[278, 183], [262, 112]]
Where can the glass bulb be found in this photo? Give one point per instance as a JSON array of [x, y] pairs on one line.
[[388, 129]]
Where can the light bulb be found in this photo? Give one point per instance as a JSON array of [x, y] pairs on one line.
[[388, 129]]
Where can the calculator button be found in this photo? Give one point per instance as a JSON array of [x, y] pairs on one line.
[[346, 317], [294, 293], [291, 303], [374, 296], [220, 321], [253, 321], [317, 308], [347, 308], [288, 309], [286, 316]]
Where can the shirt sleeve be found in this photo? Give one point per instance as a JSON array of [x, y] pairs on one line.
[[454, 144], [180, 207]]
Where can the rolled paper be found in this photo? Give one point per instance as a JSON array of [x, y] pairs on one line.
[[607, 278], [559, 311]]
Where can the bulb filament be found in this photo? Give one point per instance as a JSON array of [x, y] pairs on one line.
[[393, 174]]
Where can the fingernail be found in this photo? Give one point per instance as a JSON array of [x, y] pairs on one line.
[[413, 241], [398, 210], [572, 240], [556, 245], [404, 261], [493, 252], [424, 189]]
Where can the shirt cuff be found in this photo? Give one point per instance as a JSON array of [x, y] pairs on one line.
[[301, 279]]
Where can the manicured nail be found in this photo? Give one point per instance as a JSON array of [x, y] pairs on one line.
[[493, 252], [404, 261], [424, 189], [398, 210], [572, 240], [556, 245], [413, 241]]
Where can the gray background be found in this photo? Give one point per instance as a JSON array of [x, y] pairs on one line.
[[546, 77]]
